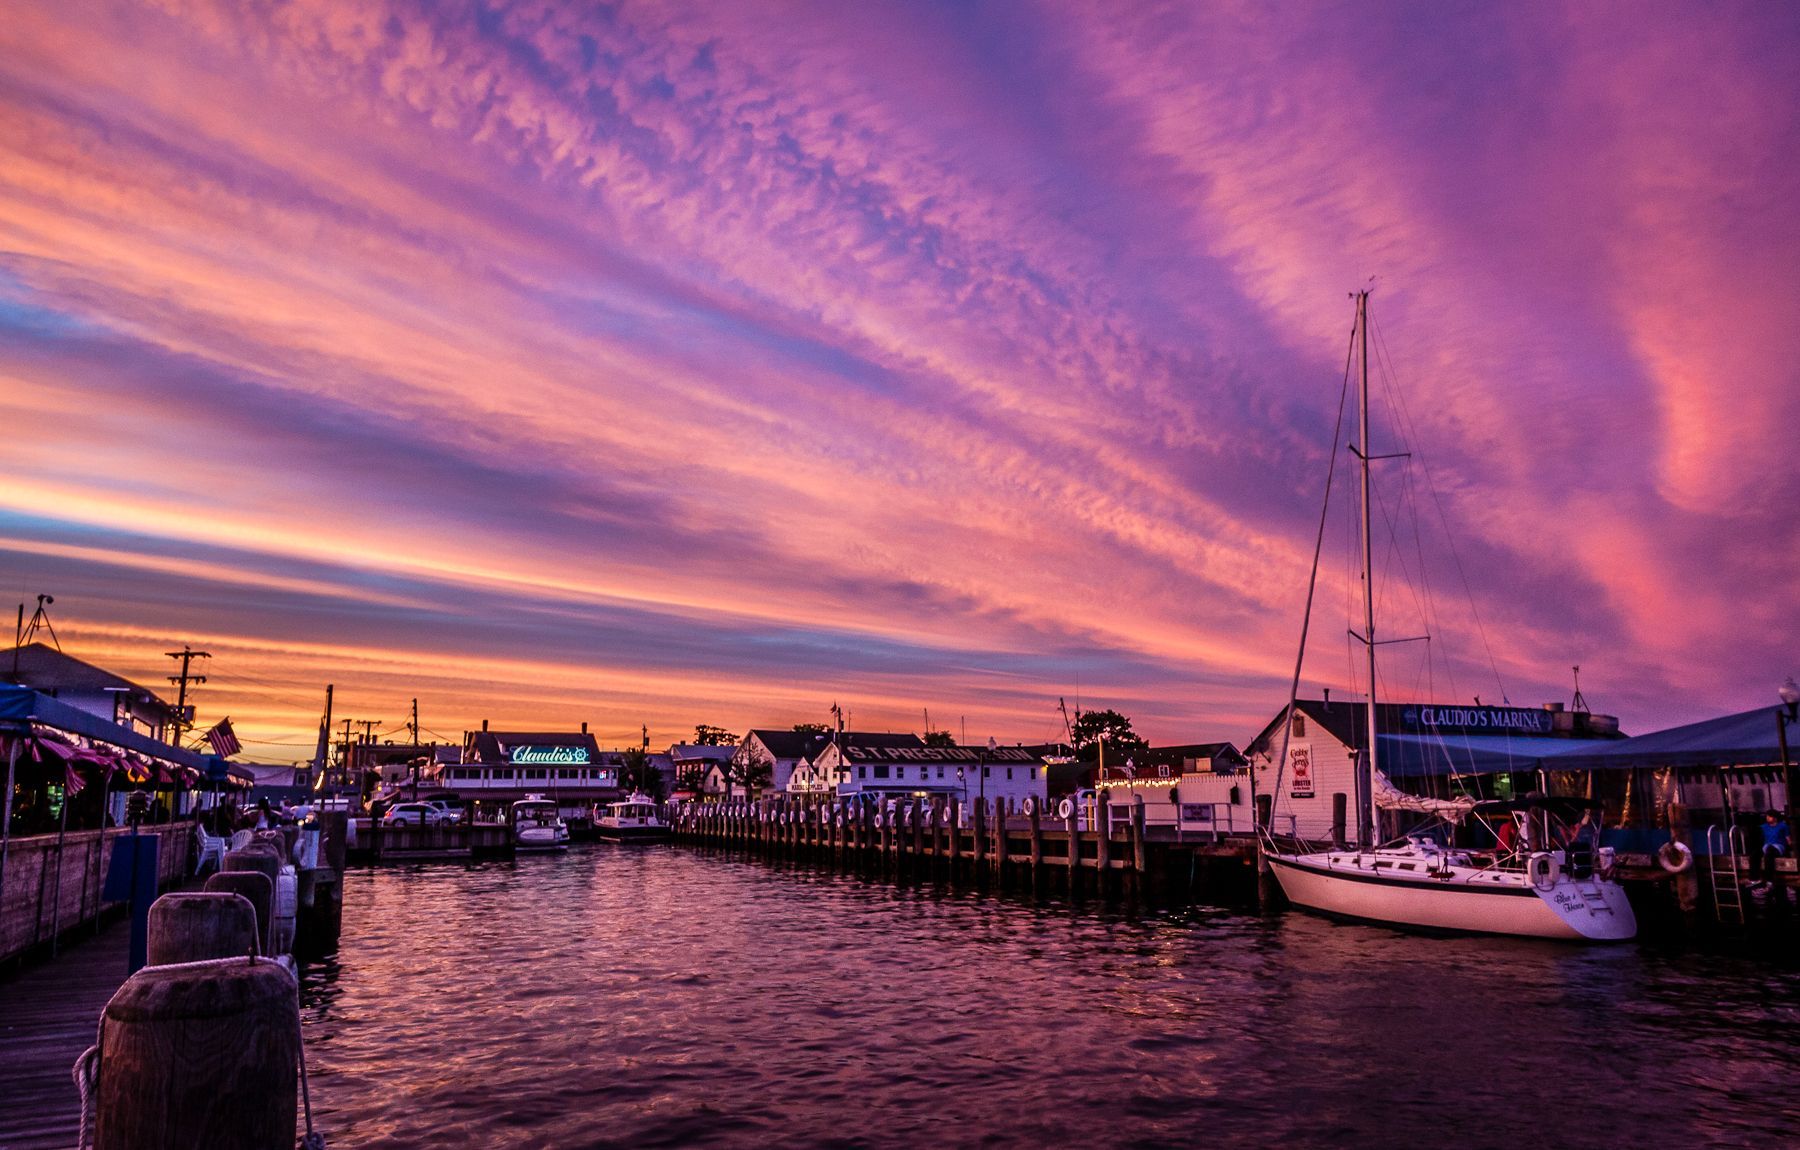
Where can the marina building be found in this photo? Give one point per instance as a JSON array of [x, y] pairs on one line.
[[1424, 748]]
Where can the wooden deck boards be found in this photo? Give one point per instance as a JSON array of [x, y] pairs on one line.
[[48, 1016]]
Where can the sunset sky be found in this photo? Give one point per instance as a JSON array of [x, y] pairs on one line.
[[673, 362]]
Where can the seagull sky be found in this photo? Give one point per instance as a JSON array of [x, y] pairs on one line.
[[655, 364]]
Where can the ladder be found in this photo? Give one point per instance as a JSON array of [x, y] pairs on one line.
[[1726, 844]]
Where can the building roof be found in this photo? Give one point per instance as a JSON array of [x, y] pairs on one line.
[[44, 668], [1177, 755], [1746, 739], [790, 744], [702, 752]]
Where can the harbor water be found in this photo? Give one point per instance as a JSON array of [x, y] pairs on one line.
[[666, 997]]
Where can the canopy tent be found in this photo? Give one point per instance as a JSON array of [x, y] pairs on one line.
[[1747, 739]]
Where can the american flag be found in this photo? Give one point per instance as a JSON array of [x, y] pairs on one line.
[[224, 743]]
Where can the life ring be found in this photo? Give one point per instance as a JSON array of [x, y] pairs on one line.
[[1065, 809], [878, 823], [1540, 868], [1674, 857], [1029, 806]]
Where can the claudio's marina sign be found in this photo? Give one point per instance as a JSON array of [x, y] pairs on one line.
[[1472, 720]]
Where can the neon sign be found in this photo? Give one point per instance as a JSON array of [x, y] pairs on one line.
[[550, 756]]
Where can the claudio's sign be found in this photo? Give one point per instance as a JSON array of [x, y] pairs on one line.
[[549, 756], [1475, 720]]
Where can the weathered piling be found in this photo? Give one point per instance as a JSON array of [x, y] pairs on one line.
[[259, 891], [191, 926], [199, 1055]]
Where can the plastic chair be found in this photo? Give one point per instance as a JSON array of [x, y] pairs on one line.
[[209, 848]]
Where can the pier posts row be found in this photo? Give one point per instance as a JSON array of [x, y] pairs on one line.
[[946, 838]]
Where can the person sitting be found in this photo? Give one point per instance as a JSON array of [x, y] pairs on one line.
[[1775, 844]]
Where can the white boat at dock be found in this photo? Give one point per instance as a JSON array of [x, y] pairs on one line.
[[536, 825], [634, 819]]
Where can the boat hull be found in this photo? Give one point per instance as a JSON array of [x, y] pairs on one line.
[[631, 834], [1583, 911]]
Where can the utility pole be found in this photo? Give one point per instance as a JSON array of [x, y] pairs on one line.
[[185, 657], [412, 728], [368, 726]]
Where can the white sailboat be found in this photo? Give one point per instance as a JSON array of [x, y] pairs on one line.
[[1538, 883]]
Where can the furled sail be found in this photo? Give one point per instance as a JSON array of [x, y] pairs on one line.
[[1391, 798]]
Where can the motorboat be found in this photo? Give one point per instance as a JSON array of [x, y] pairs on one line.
[[536, 825], [633, 819]]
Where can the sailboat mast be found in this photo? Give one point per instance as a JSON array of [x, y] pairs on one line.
[[1366, 804]]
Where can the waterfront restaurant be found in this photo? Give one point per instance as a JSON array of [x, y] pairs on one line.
[[498, 768], [885, 766]]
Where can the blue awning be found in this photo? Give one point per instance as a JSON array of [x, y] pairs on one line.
[[20, 707], [1746, 739], [1414, 756]]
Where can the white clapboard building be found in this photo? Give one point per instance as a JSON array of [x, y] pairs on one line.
[[883, 766]]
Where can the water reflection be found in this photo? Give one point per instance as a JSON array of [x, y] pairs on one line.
[[658, 997]]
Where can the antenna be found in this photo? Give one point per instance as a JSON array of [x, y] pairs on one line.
[[40, 621], [1579, 703]]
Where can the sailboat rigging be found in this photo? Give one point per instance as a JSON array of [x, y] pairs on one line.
[[1539, 880]]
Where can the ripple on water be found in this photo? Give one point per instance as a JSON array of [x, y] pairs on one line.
[[657, 997]]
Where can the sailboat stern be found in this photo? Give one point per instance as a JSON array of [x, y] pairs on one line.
[[1593, 909]]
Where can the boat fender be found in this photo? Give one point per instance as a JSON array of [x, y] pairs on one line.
[[1065, 809], [878, 823], [1674, 857], [1541, 869], [1029, 806]]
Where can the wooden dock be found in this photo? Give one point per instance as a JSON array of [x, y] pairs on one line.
[[1030, 849], [49, 1014]]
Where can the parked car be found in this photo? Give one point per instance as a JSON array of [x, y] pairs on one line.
[[417, 815]]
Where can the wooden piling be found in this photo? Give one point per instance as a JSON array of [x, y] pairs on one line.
[[191, 926], [200, 1056]]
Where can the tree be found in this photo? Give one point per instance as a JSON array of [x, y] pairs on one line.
[[939, 739], [810, 728], [751, 768], [708, 736], [1110, 727], [638, 773]]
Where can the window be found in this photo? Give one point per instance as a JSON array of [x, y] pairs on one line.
[[899, 772], [1034, 774], [536, 773], [862, 772], [881, 771], [940, 772], [1299, 725], [503, 773], [567, 773], [1009, 774], [986, 772]]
